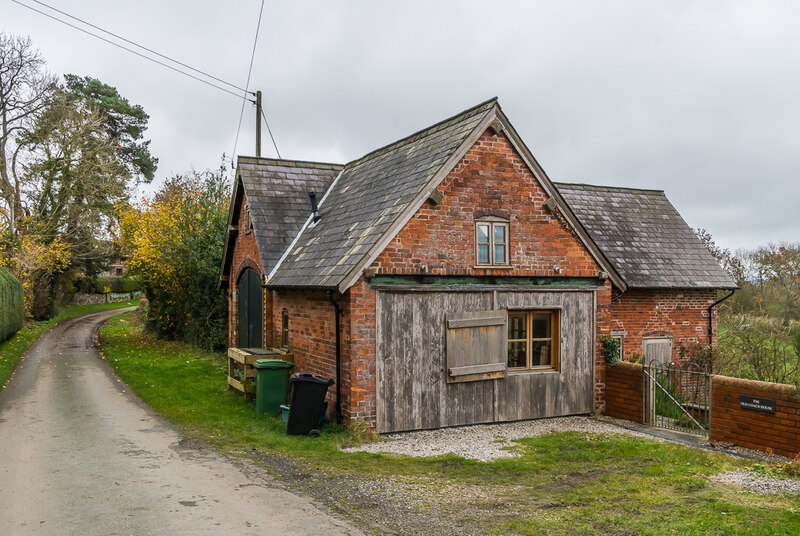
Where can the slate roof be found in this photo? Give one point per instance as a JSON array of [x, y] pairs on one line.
[[644, 238], [277, 194], [369, 196]]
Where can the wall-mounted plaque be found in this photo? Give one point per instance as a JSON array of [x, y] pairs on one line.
[[764, 405]]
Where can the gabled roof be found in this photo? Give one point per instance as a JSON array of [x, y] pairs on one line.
[[277, 196], [644, 237], [376, 195]]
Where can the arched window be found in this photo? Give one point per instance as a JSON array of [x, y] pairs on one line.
[[250, 321]]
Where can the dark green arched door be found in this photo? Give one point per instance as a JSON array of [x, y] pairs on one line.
[[249, 289]]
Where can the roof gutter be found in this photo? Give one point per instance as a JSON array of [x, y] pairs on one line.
[[711, 315]]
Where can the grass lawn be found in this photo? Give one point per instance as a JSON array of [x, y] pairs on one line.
[[12, 350], [562, 483]]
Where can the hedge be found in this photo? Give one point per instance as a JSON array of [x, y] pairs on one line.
[[12, 305]]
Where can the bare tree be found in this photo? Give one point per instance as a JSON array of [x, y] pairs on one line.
[[24, 84]]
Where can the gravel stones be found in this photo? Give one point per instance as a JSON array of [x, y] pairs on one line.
[[487, 442], [758, 484]]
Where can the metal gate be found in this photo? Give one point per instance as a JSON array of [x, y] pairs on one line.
[[677, 396]]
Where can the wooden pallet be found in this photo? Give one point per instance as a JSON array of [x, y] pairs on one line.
[[242, 375]]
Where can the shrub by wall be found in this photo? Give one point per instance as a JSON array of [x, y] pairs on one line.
[[12, 305]]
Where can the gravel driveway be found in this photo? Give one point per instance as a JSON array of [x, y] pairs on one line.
[[487, 442]]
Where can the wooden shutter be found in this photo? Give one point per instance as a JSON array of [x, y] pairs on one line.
[[476, 346]]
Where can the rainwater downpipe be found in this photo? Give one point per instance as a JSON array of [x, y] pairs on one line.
[[711, 316], [338, 312]]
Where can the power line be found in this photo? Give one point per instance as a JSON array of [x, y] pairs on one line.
[[138, 45], [247, 84], [135, 52], [270, 133]]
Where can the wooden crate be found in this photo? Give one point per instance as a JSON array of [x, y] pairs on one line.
[[242, 375]]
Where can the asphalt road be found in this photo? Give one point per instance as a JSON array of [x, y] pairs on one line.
[[80, 454]]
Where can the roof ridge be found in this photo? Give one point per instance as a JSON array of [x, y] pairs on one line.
[[601, 188], [288, 163], [411, 137]]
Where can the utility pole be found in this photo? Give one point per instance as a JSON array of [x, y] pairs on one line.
[[258, 123]]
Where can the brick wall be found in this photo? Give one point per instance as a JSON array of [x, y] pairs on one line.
[[679, 314], [762, 431], [779, 433], [245, 255], [312, 333], [623, 390], [491, 180]]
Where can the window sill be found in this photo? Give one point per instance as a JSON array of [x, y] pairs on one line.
[[493, 267], [543, 370]]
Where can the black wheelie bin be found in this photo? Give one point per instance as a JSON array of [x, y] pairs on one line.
[[308, 395]]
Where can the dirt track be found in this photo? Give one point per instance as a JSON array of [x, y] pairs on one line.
[[80, 454]]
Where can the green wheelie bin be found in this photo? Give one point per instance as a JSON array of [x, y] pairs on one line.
[[271, 384]]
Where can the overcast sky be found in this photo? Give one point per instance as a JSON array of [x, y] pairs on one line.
[[700, 99]]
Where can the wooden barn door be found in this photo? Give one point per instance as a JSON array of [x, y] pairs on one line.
[[441, 358], [250, 321]]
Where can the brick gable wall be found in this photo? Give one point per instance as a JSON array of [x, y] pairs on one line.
[[491, 180], [245, 255]]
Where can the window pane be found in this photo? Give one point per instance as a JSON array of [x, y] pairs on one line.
[[541, 325], [483, 234], [516, 326], [540, 353], [499, 254], [516, 354], [499, 234], [483, 253]]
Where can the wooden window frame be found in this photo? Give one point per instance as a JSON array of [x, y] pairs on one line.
[[285, 328], [555, 341], [492, 223]]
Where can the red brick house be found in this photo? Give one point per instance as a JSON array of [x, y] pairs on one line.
[[445, 280]]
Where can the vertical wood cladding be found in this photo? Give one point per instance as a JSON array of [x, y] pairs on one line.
[[413, 392]]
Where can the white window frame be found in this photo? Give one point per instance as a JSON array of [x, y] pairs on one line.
[[493, 223]]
